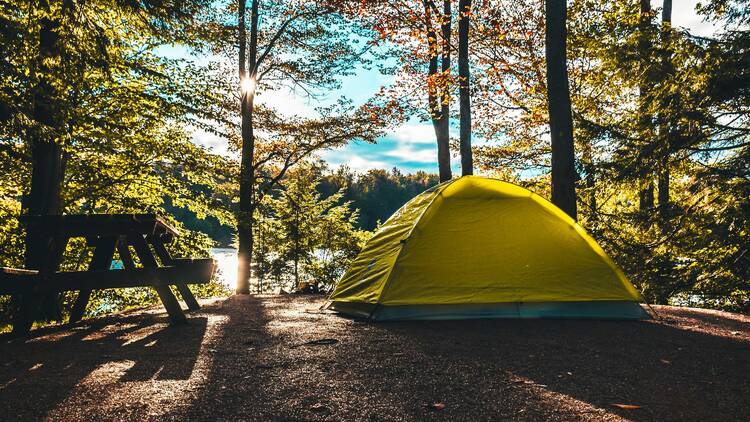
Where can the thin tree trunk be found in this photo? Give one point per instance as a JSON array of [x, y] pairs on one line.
[[665, 135], [443, 134], [464, 76], [247, 170], [646, 191], [296, 247], [645, 122], [663, 190], [589, 167], [560, 116], [433, 102]]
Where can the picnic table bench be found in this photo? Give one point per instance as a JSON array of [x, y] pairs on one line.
[[146, 234]]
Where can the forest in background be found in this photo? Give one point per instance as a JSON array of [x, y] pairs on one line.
[[97, 120]]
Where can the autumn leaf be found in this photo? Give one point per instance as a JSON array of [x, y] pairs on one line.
[[437, 406], [626, 406]]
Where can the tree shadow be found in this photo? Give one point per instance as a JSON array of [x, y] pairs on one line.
[[38, 373], [237, 365], [255, 361], [480, 369], [561, 369]]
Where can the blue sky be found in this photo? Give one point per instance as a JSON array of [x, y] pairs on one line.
[[410, 147]]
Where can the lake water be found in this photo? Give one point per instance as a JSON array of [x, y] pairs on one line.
[[226, 264]]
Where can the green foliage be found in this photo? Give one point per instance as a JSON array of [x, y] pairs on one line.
[[377, 193], [124, 115], [304, 236]]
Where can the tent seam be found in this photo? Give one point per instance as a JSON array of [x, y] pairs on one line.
[[408, 235]]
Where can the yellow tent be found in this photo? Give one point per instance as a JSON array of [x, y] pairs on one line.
[[476, 247]]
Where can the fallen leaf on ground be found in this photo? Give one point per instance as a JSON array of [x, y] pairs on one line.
[[626, 406], [318, 407], [437, 406]]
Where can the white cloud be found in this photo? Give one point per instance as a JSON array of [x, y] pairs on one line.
[[408, 153], [287, 102], [211, 141], [415, 133]]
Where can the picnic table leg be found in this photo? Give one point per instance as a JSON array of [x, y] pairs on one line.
[[23, 317], [28, 303], [104, 250], [166, 259], [124, 252], [165, 294]]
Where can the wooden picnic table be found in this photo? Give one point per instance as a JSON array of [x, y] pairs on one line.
[[146, 234]]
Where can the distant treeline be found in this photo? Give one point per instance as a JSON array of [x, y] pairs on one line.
[[376, 193]]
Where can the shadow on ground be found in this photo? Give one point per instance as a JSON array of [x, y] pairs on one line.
[[247, 358]]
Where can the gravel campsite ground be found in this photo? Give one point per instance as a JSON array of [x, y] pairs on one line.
[[279, 358]]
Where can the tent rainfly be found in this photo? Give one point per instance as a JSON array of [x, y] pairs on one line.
[[476, 247]]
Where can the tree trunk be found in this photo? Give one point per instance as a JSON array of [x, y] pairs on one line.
[[297, 234], [665, 135], [247, 169], [589, 167], [560, 116], [666, 12], [464, 76], [443, 132], [646, 192], [48, 165], [44, 196], [645, 122], [433, 102]]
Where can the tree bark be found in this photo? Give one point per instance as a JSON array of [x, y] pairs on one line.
[[296, 246], [48, 165], [464, 76], [645, 122], [589, 167], [247, 169], [666, 12], [443, 133], [433, 103], [665, 135], [44, 196], [560, 116]]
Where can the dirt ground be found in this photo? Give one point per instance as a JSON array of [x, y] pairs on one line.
[[246, 358]]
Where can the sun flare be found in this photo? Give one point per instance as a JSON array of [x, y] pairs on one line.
[[247, 85]]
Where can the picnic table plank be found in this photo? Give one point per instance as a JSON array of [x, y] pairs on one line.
[[98, 224], [197, 271], [5, 272]]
